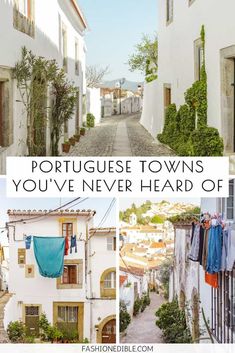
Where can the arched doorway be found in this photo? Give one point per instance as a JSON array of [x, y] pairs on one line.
[[109, 332], [106, 330]]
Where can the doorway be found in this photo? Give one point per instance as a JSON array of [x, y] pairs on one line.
[[228, 98], [109, 332], [32, 314]]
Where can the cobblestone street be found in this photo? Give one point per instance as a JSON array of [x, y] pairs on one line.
[[119, 136], [142, 328]]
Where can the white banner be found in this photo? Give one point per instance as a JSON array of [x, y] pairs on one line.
[[105, 176], [143, 348]]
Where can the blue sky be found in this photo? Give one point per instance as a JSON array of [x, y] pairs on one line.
[[98, 204], [115, 28]]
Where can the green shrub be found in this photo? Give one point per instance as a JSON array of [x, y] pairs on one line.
[[171, 320], [16, 331], [47, 331], [124, 317], [206, 142], [186, 130], [29, 339], [90, 120], [137, 306]]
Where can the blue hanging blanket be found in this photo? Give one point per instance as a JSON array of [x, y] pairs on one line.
[[49, 254]]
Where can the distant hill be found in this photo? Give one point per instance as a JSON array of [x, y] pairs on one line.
[[128, 85]]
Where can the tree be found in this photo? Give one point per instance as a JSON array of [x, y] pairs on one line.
[[95, 75], [65, 96], [145, 58], [157, 219]]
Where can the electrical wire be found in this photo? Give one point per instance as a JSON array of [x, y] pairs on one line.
[[112, 203], [46, 214]]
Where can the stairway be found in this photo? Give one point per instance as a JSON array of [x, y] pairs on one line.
[[3, 301]]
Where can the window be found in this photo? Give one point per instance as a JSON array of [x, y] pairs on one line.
[[198, 58], [111, 243], [64, 48], [70, 274], [73, 275], [110, 280], [227, 204], [169, 11], [23, 16], [67, 229], [76, 57], [6, 107], [69, 316], [108, 283], [24, 7], [223, 308]]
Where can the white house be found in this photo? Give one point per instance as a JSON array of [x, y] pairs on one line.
[[83, 297], [179, 60], [134, 234], [188, 281], [51, 29]]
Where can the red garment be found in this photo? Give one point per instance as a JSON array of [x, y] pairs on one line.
[[66, 249], [212, 280]]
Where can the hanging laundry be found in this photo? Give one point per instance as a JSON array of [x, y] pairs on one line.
[[66, 248], [214, 255], [194, 253], [73, 243], [28, 239], [212, 279], [228, 250], [49, 254]]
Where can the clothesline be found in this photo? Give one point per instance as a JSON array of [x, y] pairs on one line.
[[213, 245]]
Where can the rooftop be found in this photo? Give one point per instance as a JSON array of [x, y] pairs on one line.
[[67, 212], [79, 12]]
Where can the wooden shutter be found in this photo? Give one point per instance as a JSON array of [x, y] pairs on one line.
[[66, 275], [21, 256], [80, 273], [73, 274]]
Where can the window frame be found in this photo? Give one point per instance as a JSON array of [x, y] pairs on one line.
[[111, 243], [169, 11], [77, 63], [224, 202], [108, 292], [79, 275]]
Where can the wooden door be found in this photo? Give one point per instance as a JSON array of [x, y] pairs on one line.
[[32, 320], [109, 332]]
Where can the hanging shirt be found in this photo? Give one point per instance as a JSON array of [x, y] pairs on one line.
[[28, 242], [212, 279], [49, 254], [73, 243], [214, 256], [194, 253], [66, 248], [228, 250]]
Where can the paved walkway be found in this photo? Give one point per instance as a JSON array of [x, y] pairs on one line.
[[3, 301], [120, 135], [142, 328]]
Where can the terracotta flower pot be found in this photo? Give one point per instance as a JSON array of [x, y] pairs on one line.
[[65, 147], [77, 138], [82, 132]]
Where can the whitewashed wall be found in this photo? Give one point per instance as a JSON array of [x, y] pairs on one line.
[[176, 56], [46, 44], [94, 103]]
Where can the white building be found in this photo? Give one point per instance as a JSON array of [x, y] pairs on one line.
[[51, 29], [138, 233], [87, 289], [188, 281], [179, 60]]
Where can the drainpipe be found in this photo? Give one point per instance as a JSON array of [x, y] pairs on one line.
[[86, 273]]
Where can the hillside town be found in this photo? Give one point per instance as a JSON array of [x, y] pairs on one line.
[[146, 250], [55, 286]]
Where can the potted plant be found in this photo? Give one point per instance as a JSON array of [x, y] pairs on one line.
[[66, 146], [82, 131], [72, 141], [77, 137]]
